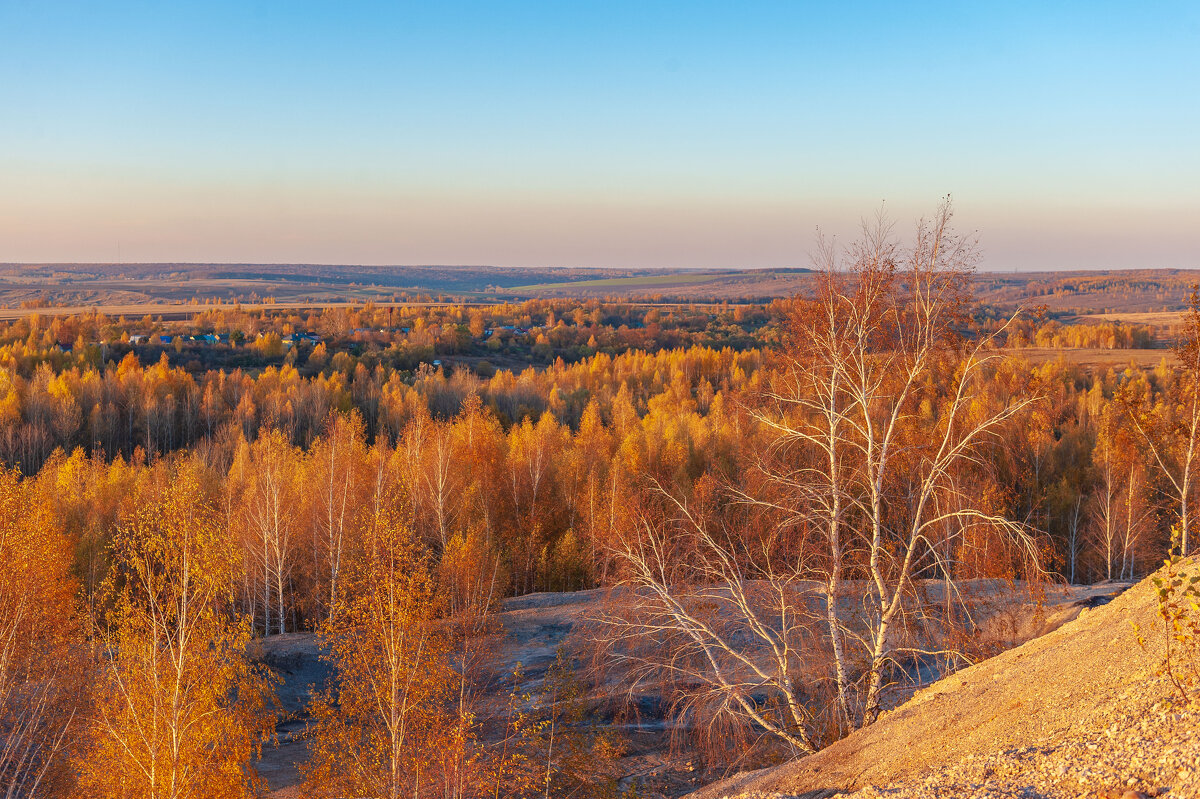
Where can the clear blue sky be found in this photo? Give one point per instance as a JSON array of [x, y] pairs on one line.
[[594, 134]]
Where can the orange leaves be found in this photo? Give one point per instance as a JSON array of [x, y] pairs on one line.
[[180, 712], [386, 717], [41, 668], [268, 488]]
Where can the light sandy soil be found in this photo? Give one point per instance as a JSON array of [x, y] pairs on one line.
[[1074, 713], [533, 628]]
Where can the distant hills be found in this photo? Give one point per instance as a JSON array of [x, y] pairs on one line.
[[33, 285]]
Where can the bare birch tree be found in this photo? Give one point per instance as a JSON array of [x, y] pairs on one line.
[[1171, 431], [873, 417], [699, 614], [884, 388]]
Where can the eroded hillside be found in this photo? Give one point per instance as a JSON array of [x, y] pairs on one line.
[[528, 633], [1076, 712]]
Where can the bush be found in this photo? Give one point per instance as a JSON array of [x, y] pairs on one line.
[[1179, 610]]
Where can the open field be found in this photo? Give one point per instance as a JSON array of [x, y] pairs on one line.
[[177, 311], [1164, 323], [1090, 292], [1107, 294], [643, 281], [1101, 358], [724, 284]]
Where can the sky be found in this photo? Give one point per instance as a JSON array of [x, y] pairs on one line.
[[595, 134]]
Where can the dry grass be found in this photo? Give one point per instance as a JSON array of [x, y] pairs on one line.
[[1094, 358], [188, 310]]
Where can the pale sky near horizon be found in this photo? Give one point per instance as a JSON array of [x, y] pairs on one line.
[[594, 134]]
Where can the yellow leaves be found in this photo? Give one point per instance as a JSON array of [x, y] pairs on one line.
[[71, 476], [470, 574], [128, 367], [180, 712], [386, 716], [319, 356], [269, 345], [41, 664], [34, 554], [10, 407], [175, 549]]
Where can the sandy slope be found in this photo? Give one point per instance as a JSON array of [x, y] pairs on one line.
[[1028, 722]]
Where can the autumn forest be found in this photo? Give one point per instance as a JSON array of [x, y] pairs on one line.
[[787, 509]]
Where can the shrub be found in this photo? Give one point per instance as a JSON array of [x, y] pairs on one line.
[[1178, 587]]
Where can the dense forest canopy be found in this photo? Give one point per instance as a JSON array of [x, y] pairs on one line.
[[386, 474]]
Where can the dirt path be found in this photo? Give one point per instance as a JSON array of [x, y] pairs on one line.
[[295, 658]]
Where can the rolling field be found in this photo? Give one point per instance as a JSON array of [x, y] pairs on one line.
[[642, 281], [176, 311], [1135, 296], [1159, 320], [1098, 358]]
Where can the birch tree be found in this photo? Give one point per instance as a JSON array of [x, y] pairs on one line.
[[271, 487], [337, 464], [908, 434], [42, 685], [873, 420], [386, 720], [1171, 429], [702, 619], [180, 713]]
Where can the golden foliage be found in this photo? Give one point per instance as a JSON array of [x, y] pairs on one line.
[[385, 724], [41, 674], [180, 711]]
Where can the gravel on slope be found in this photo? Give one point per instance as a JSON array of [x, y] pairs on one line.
[[1142, 749]]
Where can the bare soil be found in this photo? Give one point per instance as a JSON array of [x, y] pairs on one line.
[[1075, 712], [532, 628]]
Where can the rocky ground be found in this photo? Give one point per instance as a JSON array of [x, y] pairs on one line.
[[1145, 749], [1079, 712], [529, 631], [295, 659]]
